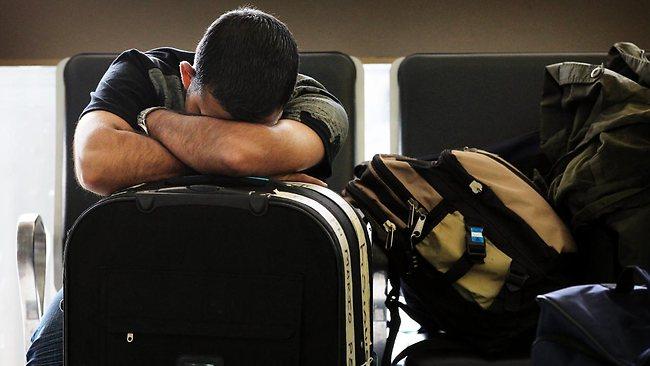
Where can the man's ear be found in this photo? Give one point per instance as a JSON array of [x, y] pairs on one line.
[[187, 74]]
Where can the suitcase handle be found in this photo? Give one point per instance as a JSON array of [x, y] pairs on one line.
[[256, 203], [217, 180], [626, 280], [206, 190]]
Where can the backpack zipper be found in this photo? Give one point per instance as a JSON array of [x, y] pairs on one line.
[[400, 190], [365, 203], [385, 194], [377, 214], [398, 187]]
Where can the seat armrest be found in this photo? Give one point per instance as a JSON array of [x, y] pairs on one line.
[[31, 255]]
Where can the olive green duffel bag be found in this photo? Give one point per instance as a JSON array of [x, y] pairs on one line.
[[595, 127]]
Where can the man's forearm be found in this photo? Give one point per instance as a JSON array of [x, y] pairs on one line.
[[109, 158], [217, 146]]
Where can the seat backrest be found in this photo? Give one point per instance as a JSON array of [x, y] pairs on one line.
[[81, 74], [442, 101], [339, 73]]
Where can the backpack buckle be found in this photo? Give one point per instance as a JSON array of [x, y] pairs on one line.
[[476, 249], [516, 279]]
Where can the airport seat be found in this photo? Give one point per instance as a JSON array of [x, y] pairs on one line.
[[77, 76], [441, 101]]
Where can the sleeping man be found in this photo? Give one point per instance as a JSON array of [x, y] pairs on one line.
[[236, 107]]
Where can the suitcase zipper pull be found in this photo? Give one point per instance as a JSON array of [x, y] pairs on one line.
[[390, 229], [476, 187], [129, 337]]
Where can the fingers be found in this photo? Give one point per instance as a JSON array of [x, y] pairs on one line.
[[309, 179], [300, 177]]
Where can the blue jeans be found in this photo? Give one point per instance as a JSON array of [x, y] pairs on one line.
[[47, 341]]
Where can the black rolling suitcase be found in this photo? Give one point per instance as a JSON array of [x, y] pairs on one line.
[[214, 271]]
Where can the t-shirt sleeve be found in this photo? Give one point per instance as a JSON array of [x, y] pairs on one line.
[[125, 88], [317, 108]]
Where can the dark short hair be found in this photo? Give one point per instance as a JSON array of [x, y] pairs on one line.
[[248, 61]]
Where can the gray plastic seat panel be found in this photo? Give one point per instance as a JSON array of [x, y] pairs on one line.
[[456, 100]]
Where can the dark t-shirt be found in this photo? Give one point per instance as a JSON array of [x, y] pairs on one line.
[[138, 80]]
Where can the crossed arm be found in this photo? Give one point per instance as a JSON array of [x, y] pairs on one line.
[[110, 155]]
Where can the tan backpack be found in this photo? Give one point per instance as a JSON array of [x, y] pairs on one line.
[[470, 242]]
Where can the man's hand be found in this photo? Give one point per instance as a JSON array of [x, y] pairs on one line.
[[300, 177], [215, 146]]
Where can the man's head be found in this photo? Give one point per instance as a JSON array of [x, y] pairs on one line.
[[245, 68]]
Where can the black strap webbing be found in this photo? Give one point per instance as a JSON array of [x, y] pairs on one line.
[[458, 269], [392, 304]]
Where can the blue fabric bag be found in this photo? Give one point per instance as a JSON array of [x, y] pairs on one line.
[[596, 324]]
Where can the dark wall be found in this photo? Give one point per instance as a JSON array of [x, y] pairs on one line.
[[43, 31]]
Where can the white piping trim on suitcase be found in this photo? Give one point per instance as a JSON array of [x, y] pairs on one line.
[[359, 228], [347, 265]]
